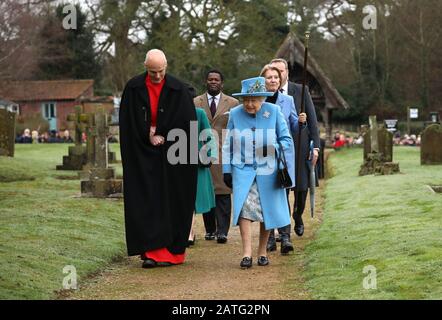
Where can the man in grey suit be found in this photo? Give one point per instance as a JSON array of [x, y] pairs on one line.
[[310, 132], [217, 106]]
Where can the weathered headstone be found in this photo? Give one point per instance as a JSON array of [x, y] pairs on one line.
[[436, 189], [7, 133], [79, 155], [384, 143], [378, 151], [98, 180], [431, 145], [76, 157]]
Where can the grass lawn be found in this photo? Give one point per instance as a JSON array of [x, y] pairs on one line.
[[45, 226], [393, 223]]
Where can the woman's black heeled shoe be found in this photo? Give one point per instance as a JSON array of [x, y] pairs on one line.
[[263, 261], [191, 242], [246, 262]]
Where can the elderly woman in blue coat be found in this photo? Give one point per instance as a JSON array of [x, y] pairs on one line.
[[257, 133]]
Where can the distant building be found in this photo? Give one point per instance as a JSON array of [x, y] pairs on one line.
[[53, 99], [324, 94]]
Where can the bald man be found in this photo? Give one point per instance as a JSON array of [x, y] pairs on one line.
[[159, 196]]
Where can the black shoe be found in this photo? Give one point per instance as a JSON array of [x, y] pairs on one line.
[[164, 264], [209, 236], [263, 261], [286, 245], [246, 262], [191, 242], [149, 263], [299, 229], [278, 238], [271, 244], [299, 225], [221, 238]]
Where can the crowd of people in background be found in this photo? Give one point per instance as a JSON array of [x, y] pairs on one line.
[[341, 140], [53, 136], [406, 140]]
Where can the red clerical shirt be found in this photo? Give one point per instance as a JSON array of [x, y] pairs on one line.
[[154, 90]]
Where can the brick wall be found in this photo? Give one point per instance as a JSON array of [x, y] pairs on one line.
[[63, 108]]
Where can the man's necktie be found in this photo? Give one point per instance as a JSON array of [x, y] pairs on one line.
[[213, 107]]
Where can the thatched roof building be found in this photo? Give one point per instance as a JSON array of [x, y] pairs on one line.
[[325, 96]]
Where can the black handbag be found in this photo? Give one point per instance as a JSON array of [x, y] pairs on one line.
[[283, 176]]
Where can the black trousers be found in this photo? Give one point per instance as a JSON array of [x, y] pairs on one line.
[[298, 210], [299, 205], [218, 219]]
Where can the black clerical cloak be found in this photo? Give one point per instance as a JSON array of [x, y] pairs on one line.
[[159, 197]]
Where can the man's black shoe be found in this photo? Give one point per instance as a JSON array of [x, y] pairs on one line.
[[209, 236], [286, 245], [164, 264], [246, 262], [299, 225], [299, 229], [149, 263], [271, 244], [221, 238]]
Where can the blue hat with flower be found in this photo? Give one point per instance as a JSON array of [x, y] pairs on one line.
[[253, 87]]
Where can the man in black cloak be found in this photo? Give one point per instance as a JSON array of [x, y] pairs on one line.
[[159, 194]]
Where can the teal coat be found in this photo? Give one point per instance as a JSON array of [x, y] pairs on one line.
[[246, 163], [205, 195]]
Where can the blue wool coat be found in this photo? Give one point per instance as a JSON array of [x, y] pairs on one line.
[[288, 109], [244, 158]]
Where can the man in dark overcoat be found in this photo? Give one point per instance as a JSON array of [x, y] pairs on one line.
[[159, 194], [309, 132]]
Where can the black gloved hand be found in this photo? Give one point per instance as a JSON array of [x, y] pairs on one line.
[[227, 177]]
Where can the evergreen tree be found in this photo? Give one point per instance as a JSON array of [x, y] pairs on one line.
[[69, 54]]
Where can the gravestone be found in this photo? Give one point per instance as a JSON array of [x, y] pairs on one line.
[[436, 189], [378, 151], [7, 133], [98, 180], [431, 145], [76, 158], [112, 157], [384, 143], [78, 155]]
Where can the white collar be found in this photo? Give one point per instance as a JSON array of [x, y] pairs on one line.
[[217, 97], [286, 88]]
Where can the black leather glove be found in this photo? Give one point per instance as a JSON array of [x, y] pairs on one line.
[[227, 177]]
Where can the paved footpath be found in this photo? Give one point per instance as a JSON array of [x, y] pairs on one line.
[[211, 271]]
